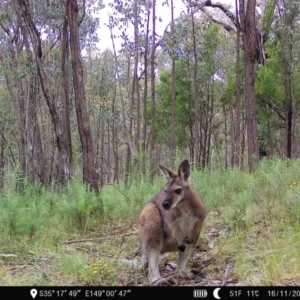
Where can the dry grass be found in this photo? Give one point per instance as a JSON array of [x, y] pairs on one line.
[[257, 257]]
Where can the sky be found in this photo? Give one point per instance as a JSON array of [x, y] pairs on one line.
[[162, 12]]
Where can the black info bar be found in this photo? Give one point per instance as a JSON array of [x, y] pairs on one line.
[[143, 292]]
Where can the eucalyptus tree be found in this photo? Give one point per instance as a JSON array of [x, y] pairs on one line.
[[236, 158], [199, 50], [8, 147], [250, 43], [164, 91], [135, 85], [135, 21], [34, 18], [152, 76], [105, 118], [127, 129], [126, 14], [278, 81], [35, 37], [65, 96], [20, 76], [145, 45], [288, 13], [119, 83], [253, 52], [197, 104], [173, 98], [89, 164]]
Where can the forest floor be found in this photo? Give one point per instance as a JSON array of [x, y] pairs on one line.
[[111, 259], [71, 237]]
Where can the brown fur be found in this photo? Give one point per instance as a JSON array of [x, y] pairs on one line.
[[171, 221]]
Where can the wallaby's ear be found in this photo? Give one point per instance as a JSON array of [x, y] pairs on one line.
[[167, 173], [185, 170]]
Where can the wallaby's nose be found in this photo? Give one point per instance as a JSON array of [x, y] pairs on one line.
[[166, 205]]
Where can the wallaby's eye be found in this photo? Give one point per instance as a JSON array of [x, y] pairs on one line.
[[178, 191]]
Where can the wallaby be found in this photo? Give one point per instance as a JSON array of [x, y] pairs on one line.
[[171, 221]]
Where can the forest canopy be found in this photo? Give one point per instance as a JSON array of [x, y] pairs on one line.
[[219, 86]]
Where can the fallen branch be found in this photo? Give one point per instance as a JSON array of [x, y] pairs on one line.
[[96, 240], [8, 255], [83, 249], [176, 274], [18, 267]]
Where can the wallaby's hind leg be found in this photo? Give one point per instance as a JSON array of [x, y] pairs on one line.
[[153, 266], [144, 259], [150, 258], [151, 235]]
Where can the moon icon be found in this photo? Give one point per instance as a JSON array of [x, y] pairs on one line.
[[215, 293]]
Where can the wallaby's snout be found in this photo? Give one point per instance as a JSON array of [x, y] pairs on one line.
[[167, 204]]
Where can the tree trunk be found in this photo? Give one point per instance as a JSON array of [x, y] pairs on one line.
[[115, 138], [173, 96], [35, 160], [89, 163], [136, 90], [145, 89], [65, 87], [250, 45], [131, 113], [13, 91], [288, 83], [102, 170], [152, 63], [196, 99], [250, 48], [288, 113], [64, 161], [191, 114], [225, 138], [130, 144], [237, 126]]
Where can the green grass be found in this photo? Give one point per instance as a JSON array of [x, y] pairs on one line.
[[257, 217]]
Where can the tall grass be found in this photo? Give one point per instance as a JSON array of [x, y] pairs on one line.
[[260, 213]]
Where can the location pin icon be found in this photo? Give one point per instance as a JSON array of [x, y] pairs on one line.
[[33, 293]]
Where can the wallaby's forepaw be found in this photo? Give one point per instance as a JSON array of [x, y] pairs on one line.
[[181, 248], [189, 240]]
